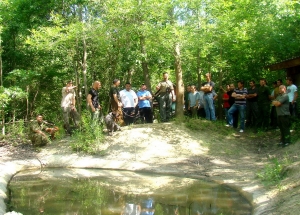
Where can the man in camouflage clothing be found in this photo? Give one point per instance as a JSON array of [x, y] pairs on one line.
[[37, 134], [166, 96]]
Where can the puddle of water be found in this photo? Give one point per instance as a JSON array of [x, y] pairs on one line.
[[81, 191]]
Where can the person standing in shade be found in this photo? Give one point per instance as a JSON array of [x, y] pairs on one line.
[[252, 107], [144, 98], [166, 96], [292, 92], [201, 111], [231, 101], [208, 89], [93, 102], [129, 101], [239, 105], [68, 106], [263, 102], [194, 99], [115, 101], [283, 116], [226, 104], [186, 100], [273, 114]]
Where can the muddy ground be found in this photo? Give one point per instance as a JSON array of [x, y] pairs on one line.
[[197, 148]]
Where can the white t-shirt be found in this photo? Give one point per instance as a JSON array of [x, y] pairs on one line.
[[67, 97], [291, 92], [127, 98]]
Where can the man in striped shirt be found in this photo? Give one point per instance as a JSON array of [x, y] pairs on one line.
[[239, 105]]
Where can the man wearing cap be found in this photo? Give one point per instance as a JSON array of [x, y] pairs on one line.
[[166, 96], [144, 98], [68, 106], [129, 101]]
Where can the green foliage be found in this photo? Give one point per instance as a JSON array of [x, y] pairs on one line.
[[88, 137], [272, 173], [42, 43]]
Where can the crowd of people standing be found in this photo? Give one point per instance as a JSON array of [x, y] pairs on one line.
[[257, 106]]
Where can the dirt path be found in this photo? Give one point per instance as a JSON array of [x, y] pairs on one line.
[[211, 152]]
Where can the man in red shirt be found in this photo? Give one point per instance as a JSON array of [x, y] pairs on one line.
[[226, 104]]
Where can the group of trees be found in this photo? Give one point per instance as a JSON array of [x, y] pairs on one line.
[[44, 43]]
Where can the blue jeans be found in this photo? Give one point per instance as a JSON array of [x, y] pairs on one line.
[[226, 115], [209, 107], [241, 110]]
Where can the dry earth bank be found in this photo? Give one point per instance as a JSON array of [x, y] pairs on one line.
[[209, 151]]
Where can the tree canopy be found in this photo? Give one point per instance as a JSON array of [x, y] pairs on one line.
[[45, 43]]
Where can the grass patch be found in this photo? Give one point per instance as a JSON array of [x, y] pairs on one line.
[[88, 136], [272, 173]]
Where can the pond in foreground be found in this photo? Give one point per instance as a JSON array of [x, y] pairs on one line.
[[81, 191]]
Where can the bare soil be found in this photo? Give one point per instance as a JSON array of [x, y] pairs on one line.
[[206, 149]]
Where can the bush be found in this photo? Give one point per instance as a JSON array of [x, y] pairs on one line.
[[272, 173], [88, 136]]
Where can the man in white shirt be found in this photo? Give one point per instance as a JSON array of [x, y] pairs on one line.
[[292, 92], [129, 101], [68, 106]]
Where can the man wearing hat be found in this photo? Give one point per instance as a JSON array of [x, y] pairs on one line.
[[144, 98], [68, 106], [129, 101]]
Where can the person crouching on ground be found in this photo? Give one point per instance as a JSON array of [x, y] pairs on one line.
[[38, 129]]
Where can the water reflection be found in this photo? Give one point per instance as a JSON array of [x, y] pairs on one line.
[[61, 191]]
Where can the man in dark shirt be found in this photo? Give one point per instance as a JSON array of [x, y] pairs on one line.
[[93, 102], [239, 105], [235, 116], [263, 101], [252, 108], [283, 116]]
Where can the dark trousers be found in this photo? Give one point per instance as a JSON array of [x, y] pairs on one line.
[[293, 109], [146, 113], [165, 103], [201, 112], [264, 115], [252, 114], [273, 117], [284, 126], [129, 114]]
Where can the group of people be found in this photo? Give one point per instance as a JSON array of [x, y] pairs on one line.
[[124, 105], [258, 106], [253, 106]]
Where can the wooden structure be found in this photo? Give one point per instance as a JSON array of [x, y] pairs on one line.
[[292, 68]]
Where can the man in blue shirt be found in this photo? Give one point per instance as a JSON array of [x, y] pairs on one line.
[[144, 97]]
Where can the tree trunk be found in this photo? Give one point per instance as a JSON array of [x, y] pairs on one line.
[[179, 82], [199, 71], [220, 96], [84, 66], [27, 103], [145, 64], [1, 73], [220, 93], [129, 74]]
